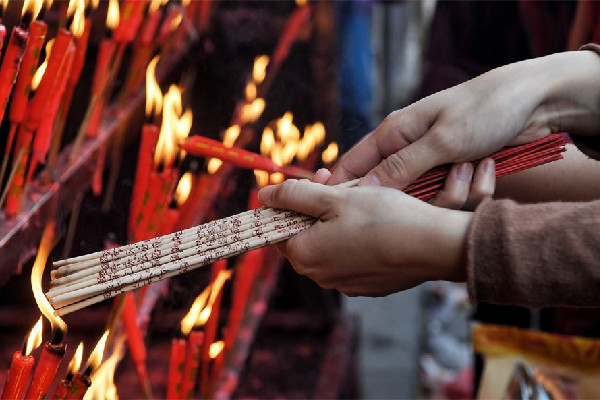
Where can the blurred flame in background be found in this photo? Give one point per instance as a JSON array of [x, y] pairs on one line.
[[215, 349], [103, 382], [39, 73], [112, 15], [76, 360], [95, 358], [32, 6], [154, 98], [183, 189]]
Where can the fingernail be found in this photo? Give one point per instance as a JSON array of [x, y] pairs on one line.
[[264, 194], [464, 172], [370, 180], [488, 165]]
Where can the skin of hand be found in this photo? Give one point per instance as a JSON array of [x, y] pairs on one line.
[[370, 241], [513, 104]]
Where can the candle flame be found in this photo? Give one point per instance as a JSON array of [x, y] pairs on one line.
[[318, 133], [251, 111], [154, 96], [276, 178], [33, 7], [112, 16], [262, 178], [95, 359], [76, 360], [276, 153], [103, 383], [286, 130], [185, 3], [35, 337], [36, 279], [267, 141], [288, 152], [250, 91], [183, 125], [72, 7], [301, 3], [230, 136], [176, 21], [94, 4], [215, 349], [155, 5], [39, 73], [215, 289], [189, 320], [330, 154], [169, 137], [3, 5], [184, 187], [213, 165], [259, 71], [78, 24]]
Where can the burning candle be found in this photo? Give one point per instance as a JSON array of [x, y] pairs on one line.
[[176, 366], [21, 365], [82, 381], [216, 354], [63, 387], [54, 350]]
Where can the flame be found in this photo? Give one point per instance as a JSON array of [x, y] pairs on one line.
[[154, 96], [39, 73], [301, 3], [94, 4], [185, 3], [262, 178], [35, 337], [189, 320], [103, 384], [213, 165], [276, 154], [252, 111], [36, 279], [215, 349], [184, 187], [330, 154], [72, 7], [250, 91], [267, 141], [3, 5], [318, 130], [32, 6], [276, 178], [76, 360], [215, 289], [98, 353], [288, 152], [259, 71], [155, 5], [176, 21], [183, 125], [112, 16], [231, 135], [286, 130], [78, 24], [167, 145]]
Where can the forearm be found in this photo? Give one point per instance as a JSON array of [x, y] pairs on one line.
[[575, 178]]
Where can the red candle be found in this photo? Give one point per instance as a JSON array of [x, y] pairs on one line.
[[80, 385], [169, 222], [135, 339], [204, 15], [131, 16], [176, 367], [168, 180], [142, 173], [10, 65], [103, 60], [18, 376], [46, 368], [15, 192], [62, 389], [192, 361]]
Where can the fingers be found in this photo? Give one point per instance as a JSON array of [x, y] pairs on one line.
[[465, 188], [321, 176], [303, 196], [484, 184]]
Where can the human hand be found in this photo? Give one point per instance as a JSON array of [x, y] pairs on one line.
[[513, 104], [370, 241]]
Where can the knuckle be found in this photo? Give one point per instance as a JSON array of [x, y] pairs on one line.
[[285, 190], [395, 167]]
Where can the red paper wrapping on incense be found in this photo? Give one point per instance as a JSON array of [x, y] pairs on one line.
[[46, 368], [196, 345], [142, 174], [205, 147], [155, 203], [11, 62], [211, 325], [18, 376], [135, 338], [62, 389], [80, 385], [176, 367]]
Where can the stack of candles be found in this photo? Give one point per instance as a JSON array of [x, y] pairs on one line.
[[85, 280]]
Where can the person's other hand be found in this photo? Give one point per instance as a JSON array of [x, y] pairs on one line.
[[513, 104], [370, 241]]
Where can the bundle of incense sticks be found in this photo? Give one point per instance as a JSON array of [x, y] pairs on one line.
[[82, 281]]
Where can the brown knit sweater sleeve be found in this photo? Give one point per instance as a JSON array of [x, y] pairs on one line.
[[535, 255]]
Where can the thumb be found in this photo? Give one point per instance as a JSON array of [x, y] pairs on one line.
[[399, 169], [306, 197]]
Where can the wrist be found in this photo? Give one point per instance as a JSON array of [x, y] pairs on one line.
[[452, 241]]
